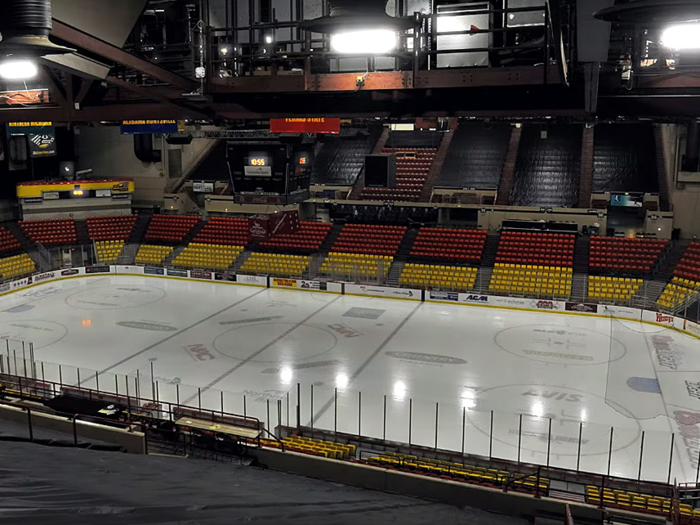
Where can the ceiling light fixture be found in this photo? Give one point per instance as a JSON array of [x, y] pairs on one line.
[[18, 69], [364, 42], [681, 36]]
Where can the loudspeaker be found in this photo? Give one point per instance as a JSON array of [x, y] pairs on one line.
[[380, 171]]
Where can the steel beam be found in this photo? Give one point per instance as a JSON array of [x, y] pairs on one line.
[[119, 56], [54, 86], [388, 81]]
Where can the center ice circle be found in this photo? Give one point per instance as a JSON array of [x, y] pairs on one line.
[[275, 343], [560, 345], [115, 297], [571, 411]]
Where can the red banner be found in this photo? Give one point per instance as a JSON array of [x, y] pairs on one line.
[[305, 125]]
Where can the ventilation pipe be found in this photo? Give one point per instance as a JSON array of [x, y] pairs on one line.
[[143, 149], [25, 26], [691, 160]]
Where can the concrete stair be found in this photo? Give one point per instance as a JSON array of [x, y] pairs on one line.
[[508, 173], [330, 239], [139, 231], [360, 182], [579, 287], [128, 254], [582, 252], [392, 279], [81, 232], [585, 187], [669, 260], [664, 201], [438, 162], [488, 256]]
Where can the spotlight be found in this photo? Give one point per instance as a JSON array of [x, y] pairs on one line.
[[681, 36], [224, 50], [268, 39], [364, 42], [18, 69]]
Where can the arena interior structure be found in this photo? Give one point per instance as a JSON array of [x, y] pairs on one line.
[[518, 154]]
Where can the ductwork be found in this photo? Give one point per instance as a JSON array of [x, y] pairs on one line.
[[691, 160], [25, 26], [356, 14], [143, 149]]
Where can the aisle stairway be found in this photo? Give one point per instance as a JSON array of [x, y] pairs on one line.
[[488, 257], [582, 252], [669, 261], [360, 182], [140, 228], [508, 174], [39, 255], [81, 232]]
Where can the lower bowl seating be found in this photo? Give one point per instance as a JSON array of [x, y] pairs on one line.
[[318, 447], [216, 256], [16, 265], [276, 264], [108, 251], [612, 289], [678, 292], [151, 254], [635, 502], [355, 265], [533, 281], [438, 277]]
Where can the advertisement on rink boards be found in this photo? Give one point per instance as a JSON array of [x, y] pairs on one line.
[[658, 318], [177, 273], [300, 284], [200, 274], [547, 305], [620, 311], [381, 291], [442, 296], [254, 280], [582, 308]]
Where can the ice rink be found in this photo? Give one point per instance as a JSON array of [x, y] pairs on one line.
[[542, 388]]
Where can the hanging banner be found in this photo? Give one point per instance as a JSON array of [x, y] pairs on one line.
[[41, 135], [148, 127], [305, 125]]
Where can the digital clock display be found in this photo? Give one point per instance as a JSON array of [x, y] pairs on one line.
[[258, 162], [302, 161]]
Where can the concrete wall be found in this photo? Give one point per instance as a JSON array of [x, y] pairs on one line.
[[133, 442], [449, 492], [684, 196]]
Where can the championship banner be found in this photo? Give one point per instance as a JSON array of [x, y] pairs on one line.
[[305, 125], [149, 127], [41, 135]]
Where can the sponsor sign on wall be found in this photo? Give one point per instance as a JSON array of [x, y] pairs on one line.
[[335, 287], [691, 327], [44, 276], [5, 287], [443, 296], [658, 317], [97, 269], [300, 284], [69, 272], [584, 308], [177, 273], [199, 274], [230, 277], [381, 291], [284, 283], [619, 311], [255, 280], [152, 270], [471, 298]]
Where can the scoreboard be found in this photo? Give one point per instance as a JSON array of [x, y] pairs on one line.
[[269, 173]]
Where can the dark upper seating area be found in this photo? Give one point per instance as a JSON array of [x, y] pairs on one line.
[[624, 158], [413, 139], [548, 168], [340, 159], [476, 156]]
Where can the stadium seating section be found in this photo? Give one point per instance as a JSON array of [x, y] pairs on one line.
[[541, 249], [210, 256], [625, 256], [110, 228], [612, 289], [412, 170], [689, 265], [308, 239], [636, 502], [16, 265], [276, 264], [170, 228], [318, 447], [149, 254], [223, 230], [50, 232], [459, 472], [532, 281], [369, 239], [435, 277], [678, 293], [108, 251], [8, 242], [440, 244], [356, 266]]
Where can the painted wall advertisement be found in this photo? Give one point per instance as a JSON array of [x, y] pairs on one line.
[[381, 291], [297, 283]]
